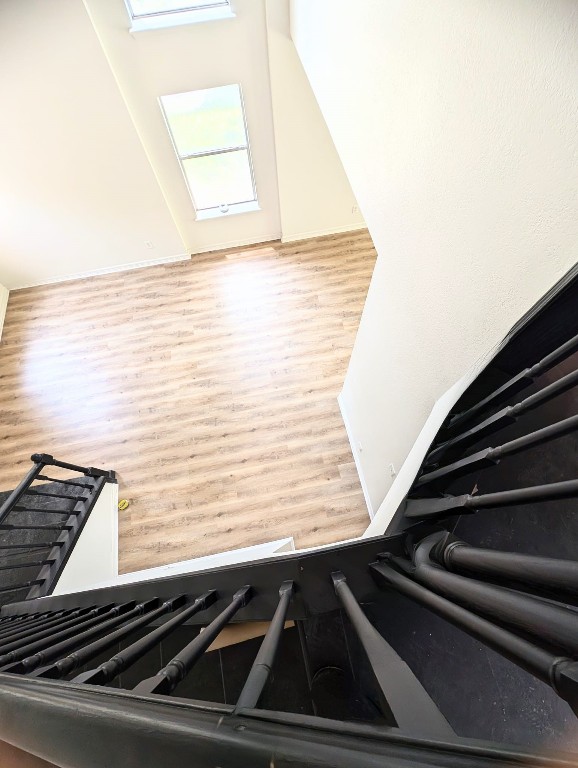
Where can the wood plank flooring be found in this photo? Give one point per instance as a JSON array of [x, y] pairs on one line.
[[209, 385]]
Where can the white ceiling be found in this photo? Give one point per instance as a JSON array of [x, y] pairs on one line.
[[77, 192]]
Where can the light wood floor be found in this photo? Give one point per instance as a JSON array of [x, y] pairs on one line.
[[209, 385]]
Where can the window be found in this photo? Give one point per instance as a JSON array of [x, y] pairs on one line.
[[155, 14], [140, 8], [210, 138]]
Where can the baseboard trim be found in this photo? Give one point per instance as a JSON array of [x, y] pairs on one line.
[[236, 244], [394, 498], [4, 293], [356, 457], [322, 233], [108, 270], [182, 257]]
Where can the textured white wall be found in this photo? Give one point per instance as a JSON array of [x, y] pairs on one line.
[[314, 193], [77, 192], [195, 56], [457, 124]]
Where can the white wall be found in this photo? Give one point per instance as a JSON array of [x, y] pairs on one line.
[[95, 554], [77, 193], [3, 304], [314, 192], [195, 56], [457, 124]]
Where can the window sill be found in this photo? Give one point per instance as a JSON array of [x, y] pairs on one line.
[[216, 213], [168, 20]]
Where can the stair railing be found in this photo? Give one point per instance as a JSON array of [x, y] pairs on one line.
[[82, 491]]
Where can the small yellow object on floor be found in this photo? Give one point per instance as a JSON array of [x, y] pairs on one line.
[[123, 504]]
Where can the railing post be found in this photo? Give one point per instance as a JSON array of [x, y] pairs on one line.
[[261, 669], [547, 622], [22, 486], [542, 572], [166, 679], [128, 656], [423, 509], [504, 417], [82, 619], [403, 696], [517, 382], [559, 672]]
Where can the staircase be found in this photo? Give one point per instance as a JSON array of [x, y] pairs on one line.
[[438, 643], [40, 522]]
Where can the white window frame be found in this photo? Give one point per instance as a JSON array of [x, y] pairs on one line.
[[212, 213], [212, 10]]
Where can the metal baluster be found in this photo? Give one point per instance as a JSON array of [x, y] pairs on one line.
[[544, 572], [76, 659], [458, 505], [31, 622], [28, 634], [6, 621], [19, 649], [263, 663], [127, 657], [547, 621], [44, 655], [403, 697], [489, 457], [166, 679], [560, 673], [504, 417], [517, 382], [22, 620]]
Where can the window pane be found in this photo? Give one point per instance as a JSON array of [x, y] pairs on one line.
[[150, 7], [220, 179], [202, 121]]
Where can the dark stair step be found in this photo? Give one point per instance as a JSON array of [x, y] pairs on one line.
[[35, 538]]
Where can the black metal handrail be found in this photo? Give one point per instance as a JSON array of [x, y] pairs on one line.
[[42, 460], [192, 732], [72, 630]]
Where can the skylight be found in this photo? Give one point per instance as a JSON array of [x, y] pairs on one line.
[[210, 138], [143, 8], [159, 14]]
